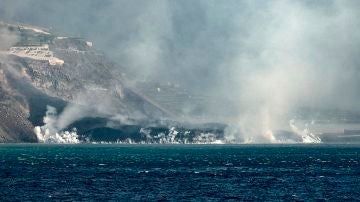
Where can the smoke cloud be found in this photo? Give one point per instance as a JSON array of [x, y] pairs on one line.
[[261, 61], [50, 132]]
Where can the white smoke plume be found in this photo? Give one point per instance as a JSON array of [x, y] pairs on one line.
[[94, 104], [306, 135], [284, 73], [50, 133], [266, 58]]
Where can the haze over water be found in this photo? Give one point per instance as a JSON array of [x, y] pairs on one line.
[[131, 92], [258, 62]]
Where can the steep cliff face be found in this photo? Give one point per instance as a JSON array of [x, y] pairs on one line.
[[14, 114], [41, 69]]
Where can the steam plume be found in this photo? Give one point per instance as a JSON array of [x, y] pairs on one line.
[[260, 61]]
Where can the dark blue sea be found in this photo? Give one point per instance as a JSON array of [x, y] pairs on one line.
[[35, 172]]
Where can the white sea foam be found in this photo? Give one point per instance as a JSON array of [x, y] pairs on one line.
[[305, 134], [173, 136], [234, 134], [49, 132], [66, 137]]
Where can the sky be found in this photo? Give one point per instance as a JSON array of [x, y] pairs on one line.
[[268, 58]]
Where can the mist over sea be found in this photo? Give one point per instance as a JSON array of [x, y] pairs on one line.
[[254, 64], [179, 172], [202, 100]]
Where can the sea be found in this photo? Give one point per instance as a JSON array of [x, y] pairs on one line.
[[95, 172]]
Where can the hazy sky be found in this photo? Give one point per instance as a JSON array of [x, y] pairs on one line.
[[268, 57]]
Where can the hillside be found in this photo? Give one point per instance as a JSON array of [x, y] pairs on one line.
[[41, 69]]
